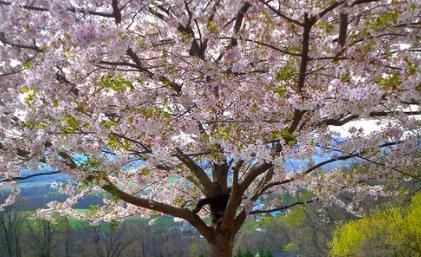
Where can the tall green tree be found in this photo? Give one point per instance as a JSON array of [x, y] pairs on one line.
[[390, 231]]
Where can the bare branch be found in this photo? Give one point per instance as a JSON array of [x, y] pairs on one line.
[[239, 220], [116, 12], [182, 213], [343, 25], [163, 79], [271, 47], [253, 174], [197, 171], [234, 200], [6, 42], [362, 2], [238, 21], [240, 17], [343, 120], [281, 208], [308, 23], [29, 176]]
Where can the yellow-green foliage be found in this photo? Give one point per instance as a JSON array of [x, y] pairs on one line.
[[388, 232]]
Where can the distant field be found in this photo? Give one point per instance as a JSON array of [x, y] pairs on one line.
[[37, 194]]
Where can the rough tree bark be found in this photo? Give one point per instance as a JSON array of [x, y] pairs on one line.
[[222, 243]]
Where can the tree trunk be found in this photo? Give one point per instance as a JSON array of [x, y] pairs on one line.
[[221, 244]]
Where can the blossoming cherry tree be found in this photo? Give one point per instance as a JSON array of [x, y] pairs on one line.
[[163, 103]]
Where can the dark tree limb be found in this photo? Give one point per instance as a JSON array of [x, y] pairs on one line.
[[130, 52], [363, 2], [309, 170], [271, 47], [238, 21], [116, 11], [343, 120], [281, 208], [197, 171], [29, 176], [308, 23], [343, 25], [329, 9], [12, 44], [256, 171], [182, 213], [234, 200], [240, 17]]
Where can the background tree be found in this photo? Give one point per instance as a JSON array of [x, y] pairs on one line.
[[161, 103], [10, 230], [389, 231]]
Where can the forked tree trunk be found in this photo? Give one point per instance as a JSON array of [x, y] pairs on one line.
[[222, 244]]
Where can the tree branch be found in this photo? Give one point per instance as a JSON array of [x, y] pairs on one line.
[[318, 165], [252, 175], [343, 120], [182, 213], [176, 87], [6, 42], [329, 9], [71, 9], [271, 47], [239, 220], [362, 2], [29, 176], [197, 171], [238, 21], [234, 199], [133, 56], [308, 23], [280, 208], [280, 14], [116, 12]]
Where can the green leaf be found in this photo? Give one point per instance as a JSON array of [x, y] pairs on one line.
[[212, 27], [26, 65], [412, 69], [145, 171], [178, 201], [346, 77], [112, 142], [327, 27], [285, 73], [147, 112], [108, 123], [383, 21], [94, 208], [116, 83], [290, 247], [288, 137], [24, 90], [223, 133], [70, 124], [166, 114], [126, 144], [281, 91], [391, 82], [276, 135]]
